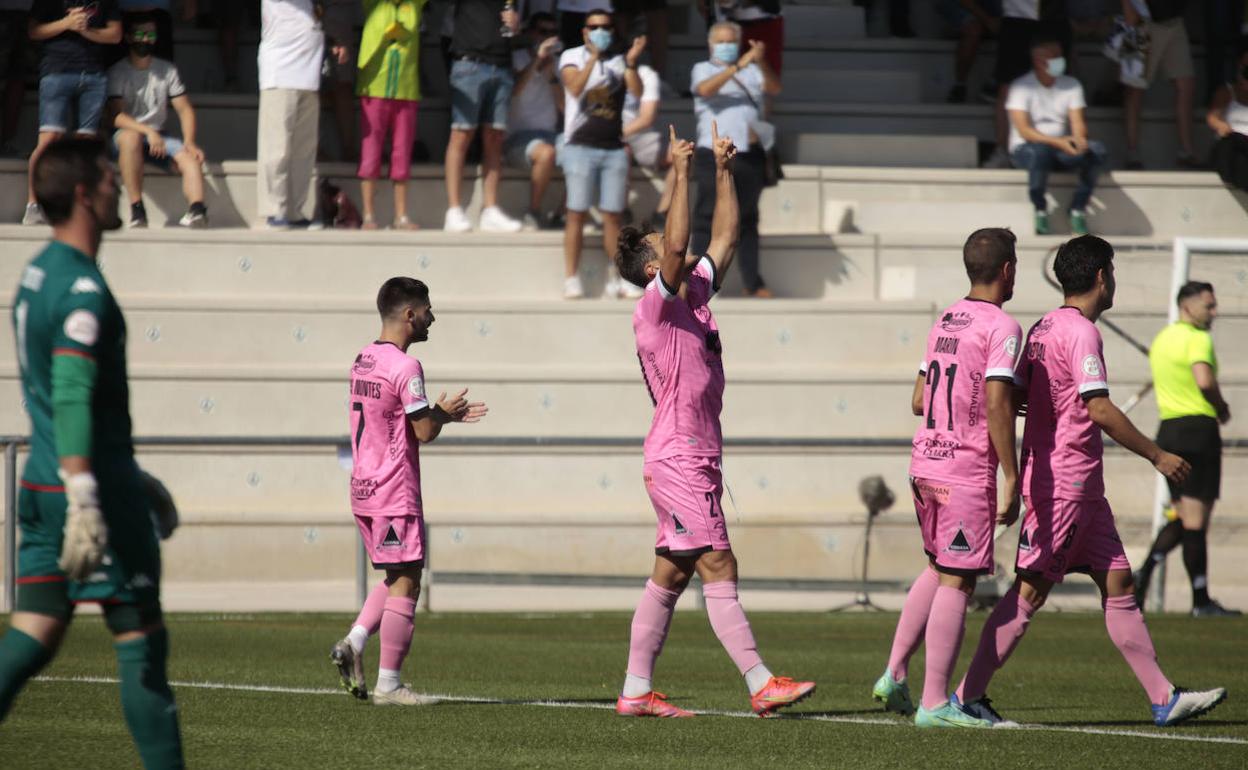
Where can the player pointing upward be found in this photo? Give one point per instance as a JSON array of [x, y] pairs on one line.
[[679, 349]]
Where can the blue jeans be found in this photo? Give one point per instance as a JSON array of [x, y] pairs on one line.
[[480, 95], [61, 92], [586, 169], [1040, 159]]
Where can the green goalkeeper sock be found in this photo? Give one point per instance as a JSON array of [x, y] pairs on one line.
[[148, 701], [21, 657]]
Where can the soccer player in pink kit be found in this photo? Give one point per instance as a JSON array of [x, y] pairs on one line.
[[679, 349], [965, 392], [1069, 526], [390, 417]]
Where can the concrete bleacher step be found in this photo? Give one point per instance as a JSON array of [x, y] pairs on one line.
[[886, 150], [851, 86]]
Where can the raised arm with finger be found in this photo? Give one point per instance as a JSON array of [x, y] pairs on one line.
[[726, 221], [672, 265]]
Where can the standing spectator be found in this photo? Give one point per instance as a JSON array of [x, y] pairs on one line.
[[389, 88], [973, 21], [141, 87], [646, 145], [653, 16], [14, 43], [339, 21], [72, 79], [593, 155], [728, 90], [1228, 117], [1048, 129], [536, 104], [1169, 54], [481, 84], [292, 48]]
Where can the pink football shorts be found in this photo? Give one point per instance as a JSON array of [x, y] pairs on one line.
[[957, 523], [686, 492], [393, 542], [1063, 536]]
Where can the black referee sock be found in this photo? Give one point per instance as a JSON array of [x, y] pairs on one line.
[[1168, 537], [1196, 559]]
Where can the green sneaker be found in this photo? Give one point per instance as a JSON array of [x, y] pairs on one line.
[[947, 715], [1078, 223], [1042, 223], [893, 694]]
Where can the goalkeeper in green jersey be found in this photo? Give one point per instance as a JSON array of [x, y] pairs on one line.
[[89, 517]]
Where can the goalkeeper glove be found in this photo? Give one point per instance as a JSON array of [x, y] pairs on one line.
[[86, 535], [164, 512]]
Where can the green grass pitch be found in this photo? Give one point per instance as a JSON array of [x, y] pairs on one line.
[[1066, 681]]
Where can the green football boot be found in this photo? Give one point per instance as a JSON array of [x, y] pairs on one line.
[[947, 715], [893, 694]]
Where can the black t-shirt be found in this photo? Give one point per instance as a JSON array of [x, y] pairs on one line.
[[477, 32], [70, 51]]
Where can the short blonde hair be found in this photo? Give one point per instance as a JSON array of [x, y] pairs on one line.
[[732, 25]]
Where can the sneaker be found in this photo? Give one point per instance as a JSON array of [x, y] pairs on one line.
[[630, 290], [613, 288], [138, 216], [276, 223], [998, 159], [957, 94], [194, 219], [572, 288], [350, 668], [33, 215], [1078, 223], [456, 221], [1214, 610], [779, 692], [893, 694], [652, 704], [531, 221], [948, 715], [553, 221], [1187, 704], [402, 696], [495, 220], [981, 709], [1042, 223]]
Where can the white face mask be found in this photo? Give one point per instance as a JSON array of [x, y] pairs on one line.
[[1056, 67]]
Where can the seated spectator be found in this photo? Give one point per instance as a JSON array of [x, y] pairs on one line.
[[533, 122], [1228, 117], [389, 89], [1170, 55], [141, 88], [1048, 130], [593, 155], [159, 12], [72, 80], [647, 145], [728, 90]]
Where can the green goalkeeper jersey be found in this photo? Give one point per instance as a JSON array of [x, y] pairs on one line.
[[71, 350]]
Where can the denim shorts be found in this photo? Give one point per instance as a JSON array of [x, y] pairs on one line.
[[518, 147], [480, 95], [66, 94], [173, 146], [587, 168]]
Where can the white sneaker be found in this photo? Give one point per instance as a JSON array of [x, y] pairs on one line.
[[193, 219], [456, 221], [998, 159], [495, 220], [572, 288], [402, 696], [33, 215], [614, 288]]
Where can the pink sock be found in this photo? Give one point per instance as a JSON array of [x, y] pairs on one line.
[[396, 631], [912, 622], [650, 623], [1127, 630], [730, 625], [1002, 632], [945, 626], [370, 613]]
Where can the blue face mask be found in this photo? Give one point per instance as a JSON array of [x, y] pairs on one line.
[[600, 38], [726, 52], [1056, 67]]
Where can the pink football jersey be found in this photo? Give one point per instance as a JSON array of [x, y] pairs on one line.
[[1062, 364], [679, 350], [973, 342], [387, 387]]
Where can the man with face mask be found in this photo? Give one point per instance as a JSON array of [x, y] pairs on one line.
[[140, 90], [1048, 131]]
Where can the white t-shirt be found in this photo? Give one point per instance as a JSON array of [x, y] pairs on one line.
[[595, 118], [1021, 9], [145, 94], [533, 107], [292, 45], [1048, 108], [649, 93], [734, 108], [1237, 114]]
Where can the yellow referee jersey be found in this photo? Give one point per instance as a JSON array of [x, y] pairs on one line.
[[1171, 356]]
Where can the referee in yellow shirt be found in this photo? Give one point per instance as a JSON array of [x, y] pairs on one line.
[[1185, 376]]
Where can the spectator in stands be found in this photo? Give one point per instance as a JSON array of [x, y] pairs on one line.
[[292, 48], [389, 88], [339, 21], [14, 44], [593, 155], [481, 83], [1170, 55], [1228, 117], [533, 122], [759, 20], [160, 13], [141, 88], [972, 21], [653, 18], [728, 89], [1048, 130], [72, 80], [646, 145], [1021, 22]]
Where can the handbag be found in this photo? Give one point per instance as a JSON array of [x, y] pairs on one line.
[[773, 172]]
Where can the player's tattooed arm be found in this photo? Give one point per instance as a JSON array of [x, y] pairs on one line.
[[427, 423], [1120, 428], [916, 398], [672, 262], [1001, 431], [726, 221]]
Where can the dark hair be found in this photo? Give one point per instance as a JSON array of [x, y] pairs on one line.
[[63, 166], [538, 17], [986, 252], [598, 12], [399, 293], [139, 18], [1078, 261], [1192, 289], [634, 252], [1043, 39]]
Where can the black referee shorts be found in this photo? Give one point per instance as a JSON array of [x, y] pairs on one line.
[[1197, 440]]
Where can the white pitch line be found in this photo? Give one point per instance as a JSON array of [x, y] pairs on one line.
[[607, 706]]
